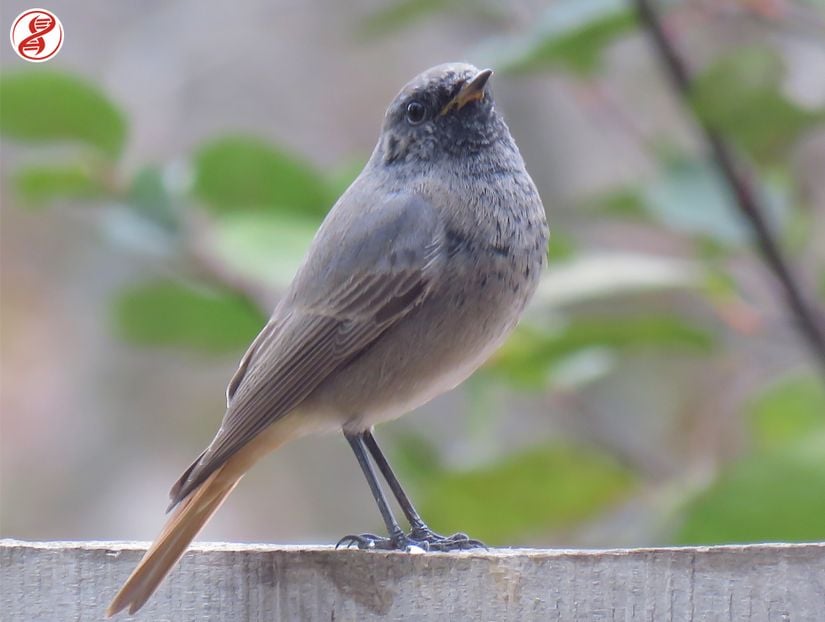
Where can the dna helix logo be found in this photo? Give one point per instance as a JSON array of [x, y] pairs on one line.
[[36, 35], [35, 44]]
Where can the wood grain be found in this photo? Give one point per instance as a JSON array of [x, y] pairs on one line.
[[73, 581]]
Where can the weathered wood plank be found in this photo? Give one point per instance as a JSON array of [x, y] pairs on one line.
[[57, 581]]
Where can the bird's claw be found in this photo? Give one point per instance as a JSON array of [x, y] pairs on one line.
[[421, 538], [437, 542], [365, 541], [372, 542]]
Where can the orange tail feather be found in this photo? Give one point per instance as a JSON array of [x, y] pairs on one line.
[[189, 517], [181, 528]]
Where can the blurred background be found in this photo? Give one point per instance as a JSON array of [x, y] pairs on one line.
[[162, 176]]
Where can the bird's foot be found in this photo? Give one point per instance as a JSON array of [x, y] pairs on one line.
[[370, 541], [432, 541], [422, 538]]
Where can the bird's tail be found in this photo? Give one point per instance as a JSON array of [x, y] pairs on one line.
[[183, 525], [191, 514]]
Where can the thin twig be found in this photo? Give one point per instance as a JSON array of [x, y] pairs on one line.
[[738, 178]]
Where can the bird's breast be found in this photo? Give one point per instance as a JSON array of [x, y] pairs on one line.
[[475, 303]]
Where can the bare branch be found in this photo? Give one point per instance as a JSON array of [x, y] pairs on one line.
[[740, 181]]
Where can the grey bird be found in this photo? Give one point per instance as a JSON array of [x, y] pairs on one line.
[[417, 274]]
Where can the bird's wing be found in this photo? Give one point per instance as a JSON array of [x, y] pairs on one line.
[[366, 269]]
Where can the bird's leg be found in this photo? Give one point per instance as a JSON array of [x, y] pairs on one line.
[[420, 534], [395, 486], [397, 539]]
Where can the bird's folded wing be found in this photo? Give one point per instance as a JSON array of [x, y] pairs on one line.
[[365, 270]]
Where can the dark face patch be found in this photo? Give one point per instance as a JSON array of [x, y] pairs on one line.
[[417, 127]]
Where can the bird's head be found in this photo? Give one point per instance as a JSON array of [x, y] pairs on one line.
[[445, 111]]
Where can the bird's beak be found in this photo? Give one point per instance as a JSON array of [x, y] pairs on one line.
[[472, 91]]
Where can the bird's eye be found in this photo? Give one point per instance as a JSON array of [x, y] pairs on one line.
[[416, 112]]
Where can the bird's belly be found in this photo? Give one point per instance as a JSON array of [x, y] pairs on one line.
[[430, 351], [393, 404]]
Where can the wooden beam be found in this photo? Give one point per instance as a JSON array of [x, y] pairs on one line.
[[57, 581]]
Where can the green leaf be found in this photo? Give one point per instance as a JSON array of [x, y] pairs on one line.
[[531, 356], [41, 184], [741, 95], [245, 173], [167, 313], [149, 196], [572, 34], [46, 106], [537, 491], [790, 410], [689, 196], [262, 247], [770, 496]]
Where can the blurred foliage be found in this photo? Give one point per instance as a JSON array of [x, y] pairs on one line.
[[242, 210], [46, 106], [624, 203], [560, 247], [246, 173], [608, 277], [163, 313], [741, 93], [768, 496], [572, 36], [339, 179], [402, 13], [690, 197], [530, 356], [150, 198], [41, 184], [788, 412], [539, 490], [775, 492], [264, 247]]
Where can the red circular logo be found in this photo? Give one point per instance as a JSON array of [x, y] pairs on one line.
[[36, 35]]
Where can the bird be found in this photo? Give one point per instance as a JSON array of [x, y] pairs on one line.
[[416, 276]]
